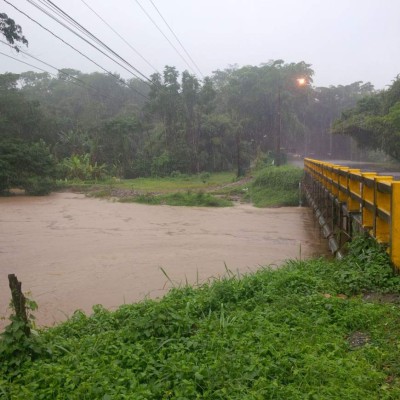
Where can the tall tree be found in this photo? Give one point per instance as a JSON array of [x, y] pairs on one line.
[[375, 121]]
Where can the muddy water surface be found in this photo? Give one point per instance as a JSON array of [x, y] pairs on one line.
[[72, 252]]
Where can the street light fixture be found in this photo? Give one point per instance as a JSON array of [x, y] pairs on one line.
[[300, 82]]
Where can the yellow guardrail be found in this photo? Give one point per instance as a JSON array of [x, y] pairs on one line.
[[375, 197]]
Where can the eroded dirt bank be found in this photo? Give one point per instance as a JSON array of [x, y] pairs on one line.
[[72, 252]]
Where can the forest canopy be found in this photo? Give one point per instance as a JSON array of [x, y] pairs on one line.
[[375, 121], [178, 123]]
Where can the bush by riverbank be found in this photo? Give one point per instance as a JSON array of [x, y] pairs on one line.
[[276, 186], [312, 329]]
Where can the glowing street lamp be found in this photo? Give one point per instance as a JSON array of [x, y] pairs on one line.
[[300, 82]]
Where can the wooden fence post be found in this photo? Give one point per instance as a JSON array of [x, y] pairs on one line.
[[19, 301]]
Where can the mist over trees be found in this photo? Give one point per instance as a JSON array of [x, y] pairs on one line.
[[375, 121], [178, 123]]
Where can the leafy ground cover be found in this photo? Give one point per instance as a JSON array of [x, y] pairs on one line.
[[276, 186], [311, 330]]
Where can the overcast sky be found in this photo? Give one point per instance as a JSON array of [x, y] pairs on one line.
[[344, 40]]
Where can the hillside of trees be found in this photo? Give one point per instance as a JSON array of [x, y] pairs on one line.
[[178, 123]]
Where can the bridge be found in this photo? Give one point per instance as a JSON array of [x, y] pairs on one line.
[[348, 200]]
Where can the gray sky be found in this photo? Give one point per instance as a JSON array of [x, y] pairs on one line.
[[344, 40]]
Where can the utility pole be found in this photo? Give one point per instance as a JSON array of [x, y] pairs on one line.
[[278, 132]]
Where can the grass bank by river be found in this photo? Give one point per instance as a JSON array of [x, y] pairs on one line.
[[313, 329], [267, 187]]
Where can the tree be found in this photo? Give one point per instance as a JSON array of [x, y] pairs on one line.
[[19, 116], [375, 121], [25, 165], [11, 31], [118, 144], [165, 102]]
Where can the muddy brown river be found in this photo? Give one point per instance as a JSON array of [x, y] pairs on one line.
[[72, 252]]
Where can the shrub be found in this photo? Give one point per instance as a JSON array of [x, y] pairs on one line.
[[25, 165], [276, 186], [80, 167], [36, 186]]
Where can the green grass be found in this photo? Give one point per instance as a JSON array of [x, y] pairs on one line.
[[276, 186], [275, 334], [197, 199], [271, 187], [162, 185]]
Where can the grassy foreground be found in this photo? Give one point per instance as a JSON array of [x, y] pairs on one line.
[[310, 330]]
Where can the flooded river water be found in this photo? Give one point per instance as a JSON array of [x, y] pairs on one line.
[[72, 252]]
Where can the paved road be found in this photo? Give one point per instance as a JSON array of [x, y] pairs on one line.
[[380, 168]]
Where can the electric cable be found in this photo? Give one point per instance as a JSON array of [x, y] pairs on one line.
[[121, 37], [165, 36], [86, 85], [34, 66], [88, 42], [176, 37], [94, 37], [78, 51]]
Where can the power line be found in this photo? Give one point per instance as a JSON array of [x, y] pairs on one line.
[[121, 37], [160, 30], [176, 37], [75, 49], [34, 66], [93, 37], [87, 33], [24, 62], [47, 72], [87, 85]]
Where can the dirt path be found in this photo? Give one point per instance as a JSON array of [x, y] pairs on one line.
[[72, 252]]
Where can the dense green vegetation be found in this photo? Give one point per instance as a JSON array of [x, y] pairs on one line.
[[28, 166], [375, 121], [276, 187], [96, 126], [309, 330]]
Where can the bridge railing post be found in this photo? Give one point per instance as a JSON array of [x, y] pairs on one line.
[[382, 215], [395, 226], [368, 200]]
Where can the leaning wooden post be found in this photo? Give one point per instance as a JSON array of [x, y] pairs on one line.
[[18, 301]]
